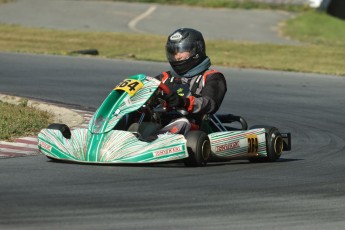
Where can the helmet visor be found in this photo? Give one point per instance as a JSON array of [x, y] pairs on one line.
[[180, 51]]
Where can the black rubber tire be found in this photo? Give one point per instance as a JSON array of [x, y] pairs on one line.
[[64, 129], [274, 144], [199, 149]]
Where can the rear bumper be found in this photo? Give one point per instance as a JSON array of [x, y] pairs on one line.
[[287, 141]]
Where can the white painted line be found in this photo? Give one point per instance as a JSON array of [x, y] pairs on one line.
[[17, 144], [18, 151], [133, 23], [83, 112], [34, 139]]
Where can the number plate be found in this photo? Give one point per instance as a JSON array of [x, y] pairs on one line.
[[253, 144], [130, 86]]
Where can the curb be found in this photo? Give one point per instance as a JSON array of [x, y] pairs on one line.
[[27, 146]]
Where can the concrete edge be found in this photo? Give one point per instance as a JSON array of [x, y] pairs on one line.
[[60, 114]]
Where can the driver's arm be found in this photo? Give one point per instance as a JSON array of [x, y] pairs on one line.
[[211, 97]]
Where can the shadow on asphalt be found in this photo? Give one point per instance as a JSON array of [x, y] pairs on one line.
[[170, 164]]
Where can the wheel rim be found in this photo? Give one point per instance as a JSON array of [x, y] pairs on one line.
[[278, 145]]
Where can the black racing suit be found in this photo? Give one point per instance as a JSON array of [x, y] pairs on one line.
[[204, 92]]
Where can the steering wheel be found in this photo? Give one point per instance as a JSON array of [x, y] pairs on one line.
[[165, 107], [163, 90]]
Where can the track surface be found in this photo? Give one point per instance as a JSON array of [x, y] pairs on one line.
[[304, 190]]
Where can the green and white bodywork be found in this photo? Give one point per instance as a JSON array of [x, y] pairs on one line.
[[100, 143]]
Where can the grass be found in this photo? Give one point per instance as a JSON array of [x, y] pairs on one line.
[[317, 28], [234, 4], [322, 53], [21, 120]]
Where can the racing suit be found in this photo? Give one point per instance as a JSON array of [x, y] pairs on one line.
[[202, 94]]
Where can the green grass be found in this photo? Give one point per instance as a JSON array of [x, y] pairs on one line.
[[21, 120], [317, 28], [316, 57], [234, 4], [322, 51], [5, 1]]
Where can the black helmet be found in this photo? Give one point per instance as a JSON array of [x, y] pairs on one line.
[[185, 40]]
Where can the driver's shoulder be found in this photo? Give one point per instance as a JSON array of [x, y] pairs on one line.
[[212, 75]]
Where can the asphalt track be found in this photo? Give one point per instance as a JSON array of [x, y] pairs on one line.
[[303, 190]]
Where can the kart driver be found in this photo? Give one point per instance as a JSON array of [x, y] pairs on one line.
[[194, 87]]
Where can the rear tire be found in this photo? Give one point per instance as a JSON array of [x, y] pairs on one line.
[[274, 144], [199, 149], [64, 129]]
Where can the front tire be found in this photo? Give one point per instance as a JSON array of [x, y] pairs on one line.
[[145, 129], [64, 129], [199, 149]]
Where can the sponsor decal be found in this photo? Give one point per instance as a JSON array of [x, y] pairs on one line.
[[180, 92], [176, 36], [45, 145], [232, 145], [167, 151], [253, 144]]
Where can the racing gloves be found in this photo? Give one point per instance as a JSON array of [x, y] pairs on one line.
[[174, 100]]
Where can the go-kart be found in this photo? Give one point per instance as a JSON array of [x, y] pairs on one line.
[[122, 128]]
